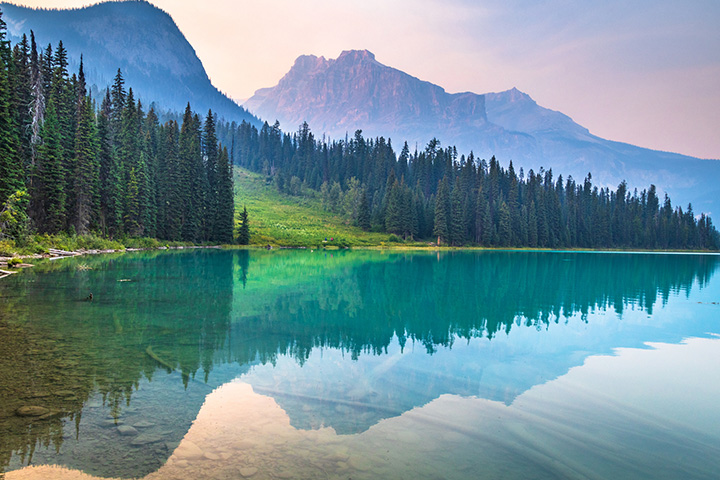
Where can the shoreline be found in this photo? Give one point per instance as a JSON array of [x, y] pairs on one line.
[[55, 254]]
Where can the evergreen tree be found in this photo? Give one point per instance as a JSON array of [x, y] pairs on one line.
[[194, 178], [210, 160], [442, 212], [86, 169], [132, 206], [11, 165], [456, 227], [363, 217], [225, 201], [393, 210], [244, 231], [504, 225], [49, 195]]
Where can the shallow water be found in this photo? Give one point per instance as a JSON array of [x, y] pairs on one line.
[[355, 364]]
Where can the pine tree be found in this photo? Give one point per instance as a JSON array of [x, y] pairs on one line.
[[210, 160], [170, 184], [504, 225], [132, 206], [49, 194], [244, 231], [86, 169], [393, 210], [363, 217], [11, 165], [225, 201], [442, 212], [456, 227], [194, 178], [21, 99]]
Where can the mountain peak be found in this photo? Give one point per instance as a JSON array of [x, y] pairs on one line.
[[356, 56], [306, 64]]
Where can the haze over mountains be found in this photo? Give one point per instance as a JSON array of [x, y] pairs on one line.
[[355, 91], [143, 41]]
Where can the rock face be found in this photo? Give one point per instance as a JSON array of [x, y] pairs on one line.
[[355, 91]]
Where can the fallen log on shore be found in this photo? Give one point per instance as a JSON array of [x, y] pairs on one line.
[[62, 253]]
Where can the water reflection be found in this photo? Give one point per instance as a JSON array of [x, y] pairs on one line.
[[562, 429], [339, 340]]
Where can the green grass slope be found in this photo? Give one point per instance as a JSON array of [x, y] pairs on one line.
[[284, 220]]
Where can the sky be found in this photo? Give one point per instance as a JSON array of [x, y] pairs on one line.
[[645, 72]]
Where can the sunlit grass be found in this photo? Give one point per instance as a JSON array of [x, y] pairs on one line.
[[284, 220]]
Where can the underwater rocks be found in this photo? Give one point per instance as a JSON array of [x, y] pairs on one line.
[[31, 411]]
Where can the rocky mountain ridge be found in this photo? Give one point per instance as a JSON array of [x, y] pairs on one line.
[[355, 91]]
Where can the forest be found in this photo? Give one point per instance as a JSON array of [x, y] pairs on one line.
[[434, 194], [79, 165], [74, 164]]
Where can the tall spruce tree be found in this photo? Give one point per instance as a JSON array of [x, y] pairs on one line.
[[210, 156], [49, 194], [442, 212], [86, 169], [11, 164], [244, 230], [225, 213]]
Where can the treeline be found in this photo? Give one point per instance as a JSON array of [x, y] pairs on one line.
[[72, 164], [464, 201]]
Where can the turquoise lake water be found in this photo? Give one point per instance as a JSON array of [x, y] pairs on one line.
[[364, 364]]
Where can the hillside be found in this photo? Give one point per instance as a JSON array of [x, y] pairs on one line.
[[284, 220], [135, 36]]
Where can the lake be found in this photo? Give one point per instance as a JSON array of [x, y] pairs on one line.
[[363, 365]]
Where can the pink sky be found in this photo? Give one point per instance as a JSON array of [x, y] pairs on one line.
[[643, 72]]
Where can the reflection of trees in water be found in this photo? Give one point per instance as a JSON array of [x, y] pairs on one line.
[[416, 297], [61, 349]]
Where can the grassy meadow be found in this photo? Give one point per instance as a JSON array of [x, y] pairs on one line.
[[283, 220]]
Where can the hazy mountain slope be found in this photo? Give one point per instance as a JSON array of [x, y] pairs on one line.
[[142, 40], [356, 91]]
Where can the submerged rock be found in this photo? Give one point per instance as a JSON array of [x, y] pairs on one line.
[[143, 424], [64, 393], [187, 450], [145, 439], [31, 411], [248, 472], [127, 430]]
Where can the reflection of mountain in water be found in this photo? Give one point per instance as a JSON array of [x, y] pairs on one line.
[[341, 340], [431, 319]]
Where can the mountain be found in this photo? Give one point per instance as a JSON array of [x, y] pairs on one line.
[[355, 91], [143, 41]]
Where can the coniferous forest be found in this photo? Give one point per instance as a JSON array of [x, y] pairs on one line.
[[434, 194], [74, 164]]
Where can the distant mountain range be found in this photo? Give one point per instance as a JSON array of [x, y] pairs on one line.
[[355, 91], [143, 41]]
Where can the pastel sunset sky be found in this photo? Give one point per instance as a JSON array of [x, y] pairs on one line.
[[646, 72]]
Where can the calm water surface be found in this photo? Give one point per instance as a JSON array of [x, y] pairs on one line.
[[299, 364]]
